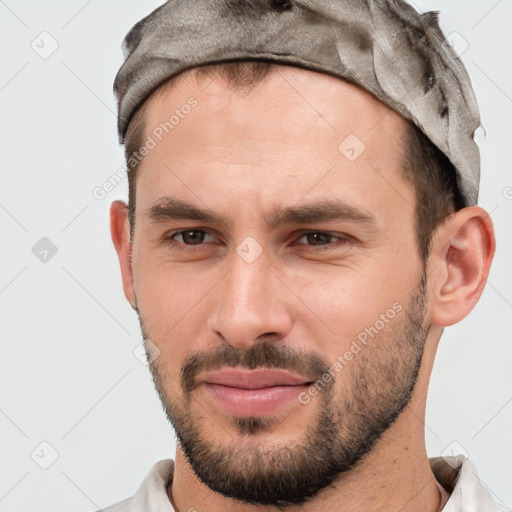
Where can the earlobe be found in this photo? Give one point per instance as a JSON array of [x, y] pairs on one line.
[[461, 256], [120, 233]]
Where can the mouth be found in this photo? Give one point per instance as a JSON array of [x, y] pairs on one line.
[[253, 392], [254, 379]]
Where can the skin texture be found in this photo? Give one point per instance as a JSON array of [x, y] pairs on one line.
[[242, 155]]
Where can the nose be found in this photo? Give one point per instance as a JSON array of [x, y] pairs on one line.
[[251, 302]]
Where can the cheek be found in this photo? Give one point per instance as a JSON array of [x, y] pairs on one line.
[[172, 304], [342, 303]]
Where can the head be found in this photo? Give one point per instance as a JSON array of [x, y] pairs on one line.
[[252, 240]]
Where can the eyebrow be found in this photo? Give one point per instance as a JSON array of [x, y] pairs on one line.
[[169, 208]]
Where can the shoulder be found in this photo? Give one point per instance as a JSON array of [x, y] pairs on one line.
[[152, 492]]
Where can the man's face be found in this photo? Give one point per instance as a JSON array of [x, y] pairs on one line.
[[339, 295]]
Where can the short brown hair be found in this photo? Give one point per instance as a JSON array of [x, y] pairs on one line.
[[429, 171]]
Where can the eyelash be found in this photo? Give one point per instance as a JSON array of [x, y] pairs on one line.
[[169, 240]]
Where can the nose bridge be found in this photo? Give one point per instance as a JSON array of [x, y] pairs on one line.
[[250, 302]]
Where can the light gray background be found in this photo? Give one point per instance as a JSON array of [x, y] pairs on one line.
[[69, 376]]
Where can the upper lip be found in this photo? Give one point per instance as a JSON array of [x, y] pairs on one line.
[[253, 379]]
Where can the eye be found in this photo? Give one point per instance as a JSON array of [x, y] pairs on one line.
[[322, 239], [317, 240], [188, 237]]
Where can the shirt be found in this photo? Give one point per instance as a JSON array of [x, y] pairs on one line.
[[456, 474]]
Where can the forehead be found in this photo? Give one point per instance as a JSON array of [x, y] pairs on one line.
[[283, 134], [281, 87]]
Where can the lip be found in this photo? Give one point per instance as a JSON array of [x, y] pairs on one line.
[[254, 379], [253, 392]]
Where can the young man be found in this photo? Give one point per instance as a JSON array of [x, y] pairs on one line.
[[302, 224]]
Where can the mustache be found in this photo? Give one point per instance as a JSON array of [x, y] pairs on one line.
[[261, 355]]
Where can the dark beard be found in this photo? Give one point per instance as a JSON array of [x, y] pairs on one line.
[[378, 386]]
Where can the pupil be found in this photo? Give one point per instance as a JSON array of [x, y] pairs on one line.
[[318, 237], [186, 235]]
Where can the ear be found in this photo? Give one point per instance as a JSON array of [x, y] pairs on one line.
[[460, 258], [120, 232]]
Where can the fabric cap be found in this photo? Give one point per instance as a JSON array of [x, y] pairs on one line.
[[384, 46]]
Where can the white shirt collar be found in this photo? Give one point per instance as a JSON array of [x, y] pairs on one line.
[[458, 475]]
